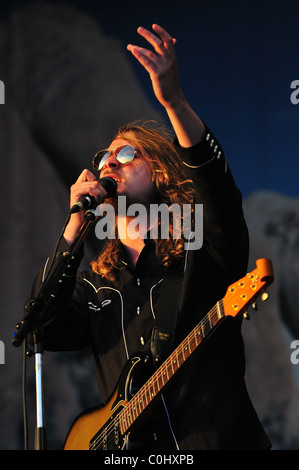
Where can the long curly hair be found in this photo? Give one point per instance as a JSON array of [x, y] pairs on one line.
[[172, 184]]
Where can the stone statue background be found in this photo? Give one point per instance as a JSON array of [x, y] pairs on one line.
[[50, 128]]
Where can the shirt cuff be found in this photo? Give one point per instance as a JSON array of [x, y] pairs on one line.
[[203, 153]]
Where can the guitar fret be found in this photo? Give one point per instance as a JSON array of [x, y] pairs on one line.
[[138, 407], [219, 312], [172, 366], [148, 395], [183, 352], [196, 333], [141, 404], [177, 358], [157, 380], [152, 388], [186, 352], [189, 346], [166, 370], [190, 342], [163, 373]]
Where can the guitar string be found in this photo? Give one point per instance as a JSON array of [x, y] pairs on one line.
[[126, 414]]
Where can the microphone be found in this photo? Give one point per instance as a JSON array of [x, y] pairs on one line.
[[89, 202]]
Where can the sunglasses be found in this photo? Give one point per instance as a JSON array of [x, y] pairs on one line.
[[123, 154]]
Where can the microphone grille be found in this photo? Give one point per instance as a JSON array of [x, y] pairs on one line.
[[109, 184]]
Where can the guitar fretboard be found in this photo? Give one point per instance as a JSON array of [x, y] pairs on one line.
[[154, 386]]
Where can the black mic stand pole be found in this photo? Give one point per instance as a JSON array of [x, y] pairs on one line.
[[35, 307]]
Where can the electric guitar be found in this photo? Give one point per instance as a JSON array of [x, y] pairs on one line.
[[108, 426]]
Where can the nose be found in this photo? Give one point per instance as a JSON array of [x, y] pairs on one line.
[[111, 162]]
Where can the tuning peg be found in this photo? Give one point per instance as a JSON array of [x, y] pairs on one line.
[[246, 316], [264, 296], [254, 306]]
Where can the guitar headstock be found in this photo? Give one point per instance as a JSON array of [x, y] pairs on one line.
[[243, 293]]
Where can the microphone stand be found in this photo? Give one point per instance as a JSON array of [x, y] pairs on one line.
[[40, 431], [34, 309]]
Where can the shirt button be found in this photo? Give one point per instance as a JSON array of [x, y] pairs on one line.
[[142, 340], [138, 281]]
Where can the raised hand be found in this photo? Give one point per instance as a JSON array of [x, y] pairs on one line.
[[160, 63]]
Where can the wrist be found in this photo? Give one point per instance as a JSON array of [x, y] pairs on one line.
[[72, 228], [177, 104], [187, 126]]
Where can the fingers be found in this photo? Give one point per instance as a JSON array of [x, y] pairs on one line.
[[145, 57], [165, 40], [162, 44], [160, 63], [158, 43], [87, 183], [86, 175], [163, 55], [168, 40]]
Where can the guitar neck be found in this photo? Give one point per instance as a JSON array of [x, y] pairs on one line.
[[155, 385]]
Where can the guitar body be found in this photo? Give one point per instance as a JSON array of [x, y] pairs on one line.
[[88, 424], [98, 428]]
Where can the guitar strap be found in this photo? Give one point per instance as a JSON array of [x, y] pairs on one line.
[[166, 317]]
